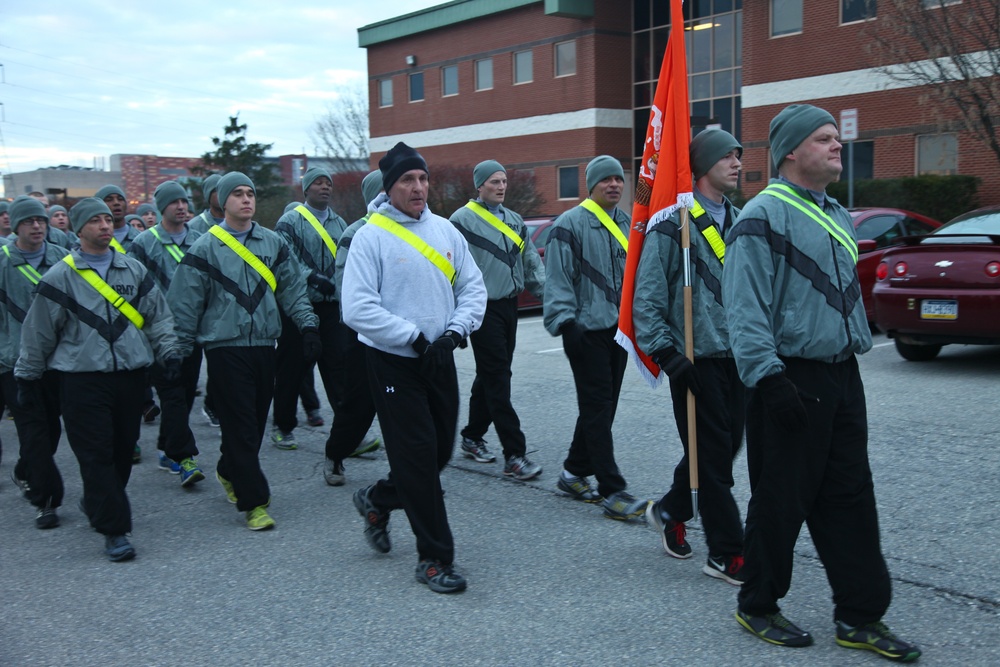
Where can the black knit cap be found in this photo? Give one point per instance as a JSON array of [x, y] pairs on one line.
[[399, 160]]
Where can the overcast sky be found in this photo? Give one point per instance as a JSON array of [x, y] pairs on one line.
[[88, 78]]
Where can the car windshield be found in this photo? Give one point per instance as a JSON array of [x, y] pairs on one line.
[[987, 222]]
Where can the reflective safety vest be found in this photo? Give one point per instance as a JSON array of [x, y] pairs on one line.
[[307, 214], [421, 246], [710, 233], [245, 254], [606, 220], [26, 269], [815, 213], [108, 292], [486, 215], [171, 248]]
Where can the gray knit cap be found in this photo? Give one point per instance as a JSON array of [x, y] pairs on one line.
[[84, 210], [208, 186], [230, 182], [312, 173], [145, 208], [709, 147], [600, 168], [109, 190], [4, 207], [791, 127], [55, 208], [22, 209], [371, 185], [167, 193], [484, 170]]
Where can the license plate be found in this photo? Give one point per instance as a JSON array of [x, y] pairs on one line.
[[938, 310]]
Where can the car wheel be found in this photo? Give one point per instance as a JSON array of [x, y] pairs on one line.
[[917, 352]]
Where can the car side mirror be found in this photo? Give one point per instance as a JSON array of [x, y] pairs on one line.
[[866, 245]]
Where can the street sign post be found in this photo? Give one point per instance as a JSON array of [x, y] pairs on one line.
[[849, 133]]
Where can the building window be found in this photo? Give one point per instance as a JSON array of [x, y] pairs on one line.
[[937, 154], [934, 4], [565, 58], [569, 182], [449, 80], [786, 17], [856, 10], [417, 87], [484, 74], [385, 92], [523, 67], [864, 160]]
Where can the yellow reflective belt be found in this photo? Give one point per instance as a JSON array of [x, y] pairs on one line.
[[789, 196], [117, 246], [606, 220], [485, 214], [26, 269], [421, 246], [710, 233], [307, 214], [108, 292], [174, 251], [247, 256]]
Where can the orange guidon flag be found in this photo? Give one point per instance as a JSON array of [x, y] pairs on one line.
[[663, 184]]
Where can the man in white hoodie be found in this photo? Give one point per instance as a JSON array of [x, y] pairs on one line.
[[413, 293]]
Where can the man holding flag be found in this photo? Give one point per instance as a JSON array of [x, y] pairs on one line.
[[585, 262], [658, 315]]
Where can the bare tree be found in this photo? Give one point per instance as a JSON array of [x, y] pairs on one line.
[[952, 49], [342, 133]]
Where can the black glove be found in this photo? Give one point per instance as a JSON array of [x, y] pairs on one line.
[[172, 369], [572, 336], [321, 283], [783, 401], [420, 345], [27, 393], [312, 345], [443, 347], [678, 368]]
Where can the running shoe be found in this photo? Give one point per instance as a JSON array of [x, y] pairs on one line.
[[775, 629], [876, 637]]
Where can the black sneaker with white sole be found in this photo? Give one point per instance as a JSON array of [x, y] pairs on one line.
[[774, 629], [728, 568], [376, 521], [672, 533]]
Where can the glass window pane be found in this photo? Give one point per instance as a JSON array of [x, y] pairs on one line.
[[449, 80], [722, 83], [701, 86], [864, 160], [700, 55], [569, 182], [640, 121], [385, 92], [856, 10], [660, 38], [701, 114], [722, 111], [937, 154], [700, 8], [723, 42], [523, 67], [417, 87], [484, 74], [786, 17], [643, 96], [738, 29], [661, 13], [643, 67], [640, 15], [723, 6], [566, 58]]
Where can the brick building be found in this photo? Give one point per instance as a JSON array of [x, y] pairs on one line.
[[474, 79]]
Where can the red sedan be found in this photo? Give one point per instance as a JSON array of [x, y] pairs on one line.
[[538, 232], [884, 226], [942, 288]]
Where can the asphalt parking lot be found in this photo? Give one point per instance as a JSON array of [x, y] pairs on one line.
[[551, 582]]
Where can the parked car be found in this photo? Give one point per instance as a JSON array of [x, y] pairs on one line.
[[943, 287], [885, 226], [538, 232]]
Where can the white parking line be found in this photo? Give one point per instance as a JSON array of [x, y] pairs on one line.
[[555, 349], [882, 344]]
